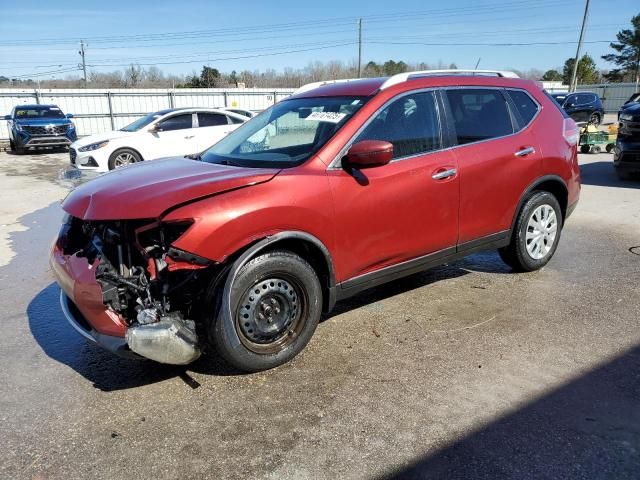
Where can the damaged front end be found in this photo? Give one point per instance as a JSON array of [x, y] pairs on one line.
[[147, 286]]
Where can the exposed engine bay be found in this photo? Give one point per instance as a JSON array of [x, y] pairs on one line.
[[153, 286]]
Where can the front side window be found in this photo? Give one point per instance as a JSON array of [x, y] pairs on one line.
[[285, 135], [525, 106], [177, 122], [206, 119], [410, 123], [479, 114]]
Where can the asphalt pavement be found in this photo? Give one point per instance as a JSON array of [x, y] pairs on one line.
[[465, 371]]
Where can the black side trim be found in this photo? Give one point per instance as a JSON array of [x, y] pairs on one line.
[[357, 284]]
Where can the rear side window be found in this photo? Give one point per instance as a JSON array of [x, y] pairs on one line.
[[410, 123], [177, 122], [479, 114], [211, 119], [525, 106]]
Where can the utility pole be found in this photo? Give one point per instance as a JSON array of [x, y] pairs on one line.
[[574, 74], [359, 47], [84, 64]]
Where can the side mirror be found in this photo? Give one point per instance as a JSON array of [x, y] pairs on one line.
[[569, 104], [369, 153], [69, 115], [7, 117], [155, 129]]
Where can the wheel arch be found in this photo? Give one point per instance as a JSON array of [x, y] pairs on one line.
[[304, 244], [548, 183], [126, 147]]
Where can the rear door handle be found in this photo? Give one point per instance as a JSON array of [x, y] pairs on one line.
[[525, 151], [450, 172]]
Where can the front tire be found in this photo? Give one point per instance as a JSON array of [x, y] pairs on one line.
[[276, 303], [536, 234], [123, 157]]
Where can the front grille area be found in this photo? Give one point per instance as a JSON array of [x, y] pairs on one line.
[[72, 155], [45, 129]]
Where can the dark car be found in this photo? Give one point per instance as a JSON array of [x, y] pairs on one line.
[[626, 154], [363, 182], [633, 99], [581, 106], [38, 126]]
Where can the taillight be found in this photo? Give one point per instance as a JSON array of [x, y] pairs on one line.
[[570, 132]]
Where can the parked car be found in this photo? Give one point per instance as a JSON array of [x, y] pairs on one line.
[[241, 111], [633, 99], [171, 132], [363, 182], [581, 106], [626, 154], [39, 126]]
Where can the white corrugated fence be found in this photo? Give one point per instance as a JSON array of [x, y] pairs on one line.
[[100, 110]]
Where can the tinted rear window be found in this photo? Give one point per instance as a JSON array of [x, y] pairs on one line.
[[207, 119], [479, 114], [525, 106]]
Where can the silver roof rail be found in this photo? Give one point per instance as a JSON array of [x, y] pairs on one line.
[[311, 86], [403, 77]]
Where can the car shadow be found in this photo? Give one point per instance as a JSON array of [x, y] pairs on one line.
[[603, 174], [39, 151], [588, 428], [487, 262], [109, 372], [105, 370]]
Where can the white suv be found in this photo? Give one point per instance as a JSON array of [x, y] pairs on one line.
[[167, 133]]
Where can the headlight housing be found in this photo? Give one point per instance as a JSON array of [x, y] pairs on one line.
[[93, 146], [626, 116], [18, 126]]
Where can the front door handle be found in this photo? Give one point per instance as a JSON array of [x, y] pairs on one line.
[[450, 172], [189, 136], [525, 151]]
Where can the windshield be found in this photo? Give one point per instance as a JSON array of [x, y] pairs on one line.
[[141, 122], [286, 134], [39, 112]]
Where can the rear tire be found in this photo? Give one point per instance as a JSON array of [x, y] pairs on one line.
[[123, 157], [276, 303], [585, 149], [536, 234]]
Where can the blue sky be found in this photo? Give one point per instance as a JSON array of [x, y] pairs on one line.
[[179, 37]]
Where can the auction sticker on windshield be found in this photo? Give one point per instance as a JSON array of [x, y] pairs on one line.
[[332, 117]]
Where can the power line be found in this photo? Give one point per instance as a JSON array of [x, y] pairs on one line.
[[330, 22]]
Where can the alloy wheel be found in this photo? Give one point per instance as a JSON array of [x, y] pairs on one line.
[[124, 158]]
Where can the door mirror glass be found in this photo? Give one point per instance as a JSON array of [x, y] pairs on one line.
[[69, 115], [369, 153]]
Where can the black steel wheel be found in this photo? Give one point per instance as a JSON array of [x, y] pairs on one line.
[[276, 303], [585, 148]]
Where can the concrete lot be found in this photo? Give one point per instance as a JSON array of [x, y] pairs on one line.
[[466, 371]]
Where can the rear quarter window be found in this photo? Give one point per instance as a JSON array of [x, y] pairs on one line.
[[525, 106]]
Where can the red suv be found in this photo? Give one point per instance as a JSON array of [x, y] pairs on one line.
[[341, 187]]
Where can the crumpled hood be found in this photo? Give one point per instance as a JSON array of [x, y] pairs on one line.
[[147, 189]]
